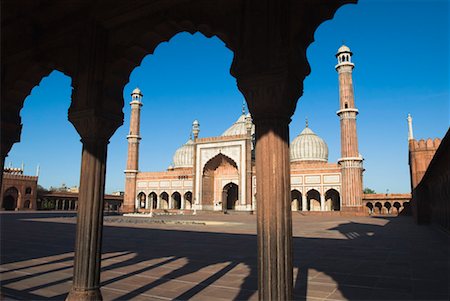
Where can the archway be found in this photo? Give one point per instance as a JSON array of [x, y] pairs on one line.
[[10, 198], [397, 207], [332, 200], [188, 200], [296, 200], [216, 170], [164, 200], [369, 205], [313, 200], [176, 200], [230, 196], [388, 206], [142, 200], [153, 197], [379, 207]]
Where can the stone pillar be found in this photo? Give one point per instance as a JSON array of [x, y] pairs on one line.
[[274, 209], [322, 202], [158, 202], [183, 202], [304, 202], [271, 102], [95, 131]]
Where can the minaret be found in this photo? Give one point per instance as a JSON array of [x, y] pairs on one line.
[[133, 138], [351, 160], [410, 129]]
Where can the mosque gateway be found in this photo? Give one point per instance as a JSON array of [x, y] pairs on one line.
[[218, 173]]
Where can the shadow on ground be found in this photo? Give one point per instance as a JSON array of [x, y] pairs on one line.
[[397, 261]]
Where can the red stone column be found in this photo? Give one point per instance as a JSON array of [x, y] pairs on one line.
[[95, 131], [86, 277], [274, 222]]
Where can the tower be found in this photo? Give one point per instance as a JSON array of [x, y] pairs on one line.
[[133, 138], [351, 160]]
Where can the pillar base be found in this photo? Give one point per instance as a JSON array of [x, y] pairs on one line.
[[128, 209], [84, 295]]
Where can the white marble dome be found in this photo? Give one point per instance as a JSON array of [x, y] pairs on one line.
[[308, 147], [239, 127], [137, 91], [184, 156], [343, 48]]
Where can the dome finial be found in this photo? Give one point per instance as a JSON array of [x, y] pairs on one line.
[[243, 107], [306, 121]]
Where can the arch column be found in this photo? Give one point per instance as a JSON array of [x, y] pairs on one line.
[[304, 202], [271, 103], [322, 202], [95, 115], [95, 131]]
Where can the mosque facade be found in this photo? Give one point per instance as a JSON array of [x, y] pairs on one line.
[[218, 173]]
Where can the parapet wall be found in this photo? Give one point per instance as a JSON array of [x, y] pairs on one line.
[[420, 154], [431, 197]]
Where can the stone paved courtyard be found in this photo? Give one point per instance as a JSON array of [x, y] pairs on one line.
[[213, 257]]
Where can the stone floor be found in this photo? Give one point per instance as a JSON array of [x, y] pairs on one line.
[[213, 257]]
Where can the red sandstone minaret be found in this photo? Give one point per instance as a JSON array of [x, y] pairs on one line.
[[133, 152], [351, 160]]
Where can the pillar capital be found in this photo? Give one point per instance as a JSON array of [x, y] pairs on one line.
[[270, 95], [92, 125]]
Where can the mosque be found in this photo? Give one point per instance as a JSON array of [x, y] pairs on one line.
[[218, 173]]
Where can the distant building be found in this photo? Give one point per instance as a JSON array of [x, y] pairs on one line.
[[218, 173], [420, 154], [18, 191]]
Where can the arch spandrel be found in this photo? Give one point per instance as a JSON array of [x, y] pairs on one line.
[[230, 152]]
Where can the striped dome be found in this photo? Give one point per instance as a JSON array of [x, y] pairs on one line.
[[239, 127], [184, 156], [309, 147]]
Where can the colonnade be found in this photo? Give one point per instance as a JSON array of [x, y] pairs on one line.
[[99, 46], [164, 201]]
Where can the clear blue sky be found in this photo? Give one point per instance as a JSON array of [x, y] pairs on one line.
[[401, 53]]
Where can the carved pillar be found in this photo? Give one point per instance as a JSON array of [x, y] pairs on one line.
[[96, 113], [95, 131], [272, 104]]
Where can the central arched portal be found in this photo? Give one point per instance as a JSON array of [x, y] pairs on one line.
[[10, 198], [217, 171], [230, 196]]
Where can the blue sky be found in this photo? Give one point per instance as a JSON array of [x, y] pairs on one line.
[[401, 53]]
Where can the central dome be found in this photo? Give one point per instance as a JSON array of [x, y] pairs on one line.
[[239, 127], [309, 147], [184, 156]]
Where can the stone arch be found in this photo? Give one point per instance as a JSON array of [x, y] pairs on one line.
[[188, 200], [28, 190], [176, 200], [388, 206], [332, 200], [164, 200], [369, 205], [378, 207], [153, 199], [313, 200], [230, 196], [397, 207], [11, 198], [215, 170], [142, 199], [296, 200], [146, 37]]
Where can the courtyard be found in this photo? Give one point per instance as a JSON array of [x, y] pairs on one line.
[[213, 257]]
